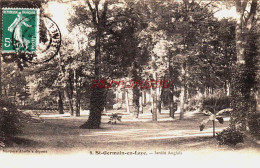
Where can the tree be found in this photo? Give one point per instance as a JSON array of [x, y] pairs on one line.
[[14, 82], [153, 43], [174, 38], [97, 100], [242, 81], [104, 21], [43, 79], [111, 29], [132, 22], [190, 29]]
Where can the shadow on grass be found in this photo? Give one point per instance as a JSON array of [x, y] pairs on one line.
[[194, 142], [21, 142]]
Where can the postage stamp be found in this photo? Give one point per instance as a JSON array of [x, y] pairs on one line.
[[19, 29]]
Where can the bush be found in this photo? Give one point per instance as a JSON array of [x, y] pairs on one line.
[[193, 104], [254, 124], [215, 102], [229, 137], [114, 118], [10, 119]]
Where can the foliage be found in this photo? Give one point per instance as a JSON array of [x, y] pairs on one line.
[[215, 102], [11, 120], [195, 103], [244, 84], [114, 118], [14, 82], [230, 137], [244, 71], [254, 124], [214, 106]]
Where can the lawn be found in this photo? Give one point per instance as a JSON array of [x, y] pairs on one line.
[[62, 135]]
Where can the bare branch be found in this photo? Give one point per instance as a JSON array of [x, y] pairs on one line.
[[252, 11], [104, 14], [94, 21], [96, 7]]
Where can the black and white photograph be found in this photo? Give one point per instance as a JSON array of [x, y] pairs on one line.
[[174, 80]]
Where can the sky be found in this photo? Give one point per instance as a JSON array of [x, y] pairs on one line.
[[60, 13], [226, 13]]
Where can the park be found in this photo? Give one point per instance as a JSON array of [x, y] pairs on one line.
[[130, 77]]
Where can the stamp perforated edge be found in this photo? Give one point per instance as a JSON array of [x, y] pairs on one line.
[[37, 29]]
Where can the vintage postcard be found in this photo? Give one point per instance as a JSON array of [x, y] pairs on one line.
[[137, 80]]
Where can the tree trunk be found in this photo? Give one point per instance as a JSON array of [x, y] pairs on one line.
[[60, 103], [136, 100], [153, 104], [182, 95], [97, 104], [159, 95], [141, 104], [227, 88], [127, 101], [98, 95], [241, 88], [105, 109], [69, 91], [213, 122], [117, 96], [144, 96], [77, 106], [71, 107], [171, 92], [171, 101], [171, 104], [137, 111], [78, 93], [182, 102]]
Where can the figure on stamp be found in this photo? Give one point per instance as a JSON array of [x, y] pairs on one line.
[[16, 26]]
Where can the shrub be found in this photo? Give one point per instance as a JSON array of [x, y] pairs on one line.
[[229, 137], [215, 102], [193, 104], [10, 119], [114, 118], [254, 124]]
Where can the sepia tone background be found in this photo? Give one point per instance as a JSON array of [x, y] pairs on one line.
[[207, 49]]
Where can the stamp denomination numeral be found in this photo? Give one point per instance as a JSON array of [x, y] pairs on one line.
[[7, 42]]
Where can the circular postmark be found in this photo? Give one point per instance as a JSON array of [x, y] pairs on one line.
[[39, 47], [50, 41]]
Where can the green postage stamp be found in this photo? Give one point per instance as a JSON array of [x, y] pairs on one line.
[[20, 27]]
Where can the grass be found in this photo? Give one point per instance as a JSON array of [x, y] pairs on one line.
[[62, 134]]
